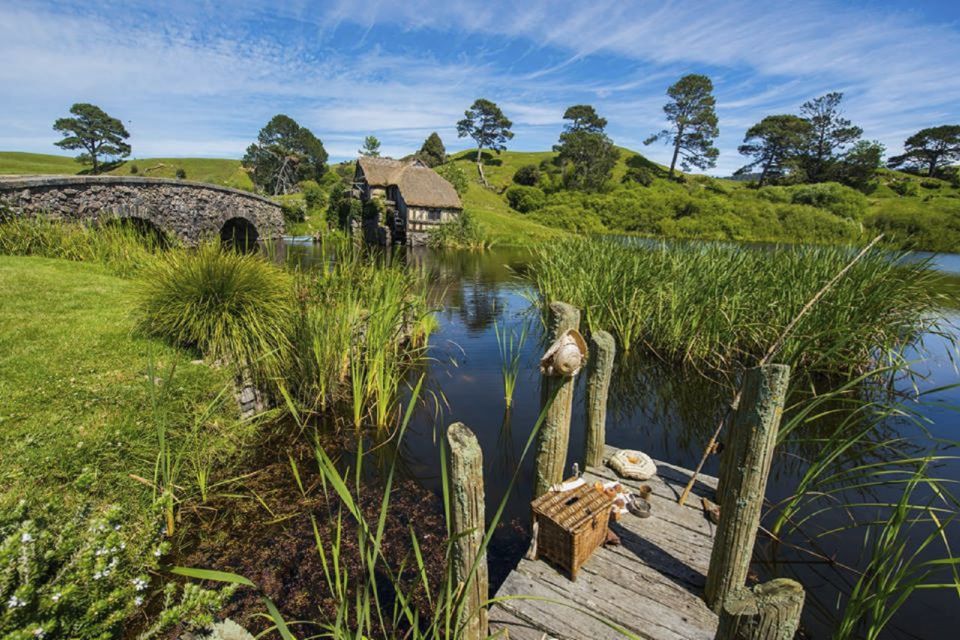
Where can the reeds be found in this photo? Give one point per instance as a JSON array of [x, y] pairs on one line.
[[510, 343], [719, 306]]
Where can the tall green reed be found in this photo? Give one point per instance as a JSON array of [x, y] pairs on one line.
[[510, 344]]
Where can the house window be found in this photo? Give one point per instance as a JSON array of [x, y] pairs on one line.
[[434, 215]]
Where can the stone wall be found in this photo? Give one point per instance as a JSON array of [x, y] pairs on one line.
[[185, 210]]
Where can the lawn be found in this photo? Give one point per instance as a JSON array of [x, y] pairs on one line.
[[76, 415]]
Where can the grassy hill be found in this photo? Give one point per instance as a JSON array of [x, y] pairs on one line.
[[213, 170]]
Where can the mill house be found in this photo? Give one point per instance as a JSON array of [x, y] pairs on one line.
[[417, 198]]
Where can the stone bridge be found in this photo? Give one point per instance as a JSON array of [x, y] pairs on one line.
[[185, 210]]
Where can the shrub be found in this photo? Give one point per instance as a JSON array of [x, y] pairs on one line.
[[569, 218], [527, 175], [905, 187], [293, 207], [832, 196], [181, 173], [313, 195], [930, 184], [228, 305], [462, 233], [525, 199], [640, 175], [374, 210], [134, 169], [454, 175]]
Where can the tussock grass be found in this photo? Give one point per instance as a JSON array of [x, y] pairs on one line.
[[228, 305], [721, 306]]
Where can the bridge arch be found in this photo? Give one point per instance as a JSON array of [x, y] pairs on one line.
[[239, 233], [188, 211]]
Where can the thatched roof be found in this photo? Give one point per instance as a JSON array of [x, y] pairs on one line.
[[419, 185]]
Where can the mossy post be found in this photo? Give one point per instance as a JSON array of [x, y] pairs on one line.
[[467, 515], [752, 437], [770, 611], [555, 431], [603, 349]]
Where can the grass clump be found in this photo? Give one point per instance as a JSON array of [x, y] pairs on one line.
[[228, 305], [718, 306], [114, 243]]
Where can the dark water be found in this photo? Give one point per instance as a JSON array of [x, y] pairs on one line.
[[667, 413]]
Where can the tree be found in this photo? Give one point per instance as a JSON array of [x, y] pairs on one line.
[[371, 147], [830, 132], [930, 148], [432, 153], [774, 144], [284, 155], [693, 117], [95, 132], [585, 149], [859, 165], [486, 124]]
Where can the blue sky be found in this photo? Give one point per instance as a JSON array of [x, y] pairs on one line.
[[201, 78]]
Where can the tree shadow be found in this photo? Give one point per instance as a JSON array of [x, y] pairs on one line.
[[486, 157], [637, 161], [104, 167]]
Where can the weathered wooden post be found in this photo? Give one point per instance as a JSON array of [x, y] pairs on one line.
[[770, 611], [555, 431], [467, 514], [603, 349], [752, 437]]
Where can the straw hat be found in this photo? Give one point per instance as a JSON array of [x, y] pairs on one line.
[[635, 465]]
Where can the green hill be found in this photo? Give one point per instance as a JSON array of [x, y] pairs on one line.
[[220, 171]]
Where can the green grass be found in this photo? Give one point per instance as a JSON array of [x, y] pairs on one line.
[[76, 416], [219, 171]]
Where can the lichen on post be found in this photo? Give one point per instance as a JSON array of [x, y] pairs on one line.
[[753, 435], [554, 435], [603, 349], [770, 611], [468, 524]]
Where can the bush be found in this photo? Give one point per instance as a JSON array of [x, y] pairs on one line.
[[454, 175], [832, 196], [462, 233], [640, 175], [134, 169], [293, 207], [313, 195], [374, 210], [905, 187], [181, 173], [528, 175], [525, 199], [228, 305], [930, 184], [570, 218]]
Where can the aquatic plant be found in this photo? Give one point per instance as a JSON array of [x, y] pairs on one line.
[[716, 306], [510, 343], [228, 305]]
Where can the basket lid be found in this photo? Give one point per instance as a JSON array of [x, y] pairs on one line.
[[570, 509]]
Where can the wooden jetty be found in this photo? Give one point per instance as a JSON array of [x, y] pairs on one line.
[[652, 584]]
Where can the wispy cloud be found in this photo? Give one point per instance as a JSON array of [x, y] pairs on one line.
[[195, 79]]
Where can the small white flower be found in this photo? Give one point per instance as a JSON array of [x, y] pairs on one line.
[[39, 632], [116, 527], [158, 552], [56, 597], [138, 600], [97, 575], [139, 584], [123, 545], [15, 603], [26, 537]]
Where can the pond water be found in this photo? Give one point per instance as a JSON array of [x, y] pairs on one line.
[[667, 413]]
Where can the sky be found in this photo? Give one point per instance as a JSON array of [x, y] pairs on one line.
[[200, 78]]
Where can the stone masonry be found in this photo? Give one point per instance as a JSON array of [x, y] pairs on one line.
[[185, 210]]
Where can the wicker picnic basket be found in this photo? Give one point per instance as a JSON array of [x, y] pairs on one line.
[[570, 525]]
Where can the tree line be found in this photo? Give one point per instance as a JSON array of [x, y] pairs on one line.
[[818, 144]]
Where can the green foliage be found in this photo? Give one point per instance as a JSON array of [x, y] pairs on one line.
[[525, 199], [371, 147], [118, 245], [905, 187], [860, 164], [313, 195], [528, 175], [134, 169], [293, 206], [775, 145], [585, 152], [432, 153], [693, 118], [830, 134], [933, 225], [226, 304], [462, 233], [486, 124], [181, 173], [454, 175], [568, 218], [837, 199], [640, 175], [342, 208], [665, 299], [93, 131], [284, 155], [929, 149], [373, 210]]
